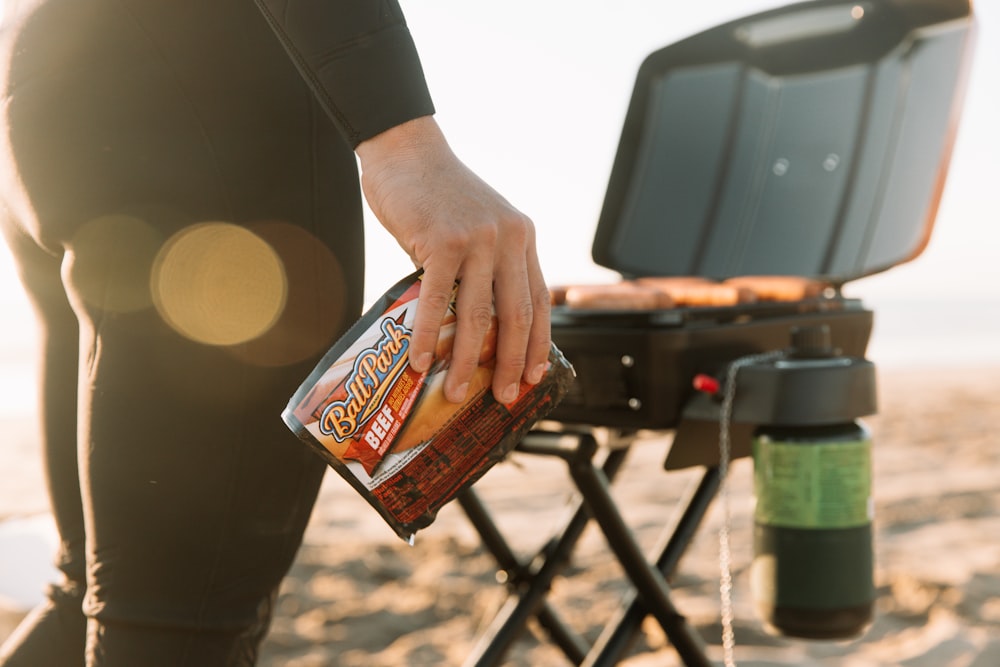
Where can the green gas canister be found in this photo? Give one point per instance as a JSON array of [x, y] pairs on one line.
[[812, 570]]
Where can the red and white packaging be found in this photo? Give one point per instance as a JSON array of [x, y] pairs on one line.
[[390, 432]]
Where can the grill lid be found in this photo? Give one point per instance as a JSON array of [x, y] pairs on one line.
[[810, 140]]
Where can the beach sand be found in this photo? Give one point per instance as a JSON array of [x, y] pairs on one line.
[[357, 595]]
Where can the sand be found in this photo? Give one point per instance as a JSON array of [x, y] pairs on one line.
[[358, 595]]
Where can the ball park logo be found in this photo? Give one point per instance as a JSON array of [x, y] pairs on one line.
[[375, 370]]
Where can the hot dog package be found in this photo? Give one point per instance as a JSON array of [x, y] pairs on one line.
[[390, 432]]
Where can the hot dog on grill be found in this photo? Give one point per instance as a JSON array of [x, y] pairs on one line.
[[697, 291], [779, 288], [626, 295]]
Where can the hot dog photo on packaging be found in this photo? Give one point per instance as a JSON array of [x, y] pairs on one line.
[[391, 433]]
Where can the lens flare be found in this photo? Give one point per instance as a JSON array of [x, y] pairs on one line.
[[219, 284], [316, 299], [109, 263]]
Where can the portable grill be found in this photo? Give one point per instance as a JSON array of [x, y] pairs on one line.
[[634, 369], [810, 140]]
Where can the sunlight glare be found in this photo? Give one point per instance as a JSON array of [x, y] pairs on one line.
[[218, 284], [316, 302]]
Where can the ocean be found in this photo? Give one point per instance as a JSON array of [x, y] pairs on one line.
[[908, 333]]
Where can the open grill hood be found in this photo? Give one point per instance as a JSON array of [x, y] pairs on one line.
[[809, 140]]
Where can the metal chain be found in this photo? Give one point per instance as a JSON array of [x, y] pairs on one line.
[[725, 453]]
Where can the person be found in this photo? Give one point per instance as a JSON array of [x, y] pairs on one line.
[[180, 192]]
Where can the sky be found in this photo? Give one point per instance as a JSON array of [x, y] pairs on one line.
[[532, 95]]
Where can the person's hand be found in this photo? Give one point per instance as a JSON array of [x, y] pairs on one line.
[[455, 226]]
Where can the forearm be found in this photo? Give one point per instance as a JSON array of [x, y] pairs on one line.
[[410, 138]]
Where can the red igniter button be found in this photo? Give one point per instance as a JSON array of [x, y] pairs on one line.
[[706, 383]]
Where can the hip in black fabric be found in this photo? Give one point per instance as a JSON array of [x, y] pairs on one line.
[[187, 223]]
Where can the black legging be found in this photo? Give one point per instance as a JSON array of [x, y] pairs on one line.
[[179, 494]]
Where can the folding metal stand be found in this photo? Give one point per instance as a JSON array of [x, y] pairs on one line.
[[528, 581], [809, 383]]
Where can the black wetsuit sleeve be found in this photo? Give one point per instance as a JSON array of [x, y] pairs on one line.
[[358, 57]]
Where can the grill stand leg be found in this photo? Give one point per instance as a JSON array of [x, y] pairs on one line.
[[618, 635], [520, 579], [529, 584], [648, 580], [528, 593]]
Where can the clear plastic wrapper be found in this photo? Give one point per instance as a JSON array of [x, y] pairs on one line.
[[390, 432]]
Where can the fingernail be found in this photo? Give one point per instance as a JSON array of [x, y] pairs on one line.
[[536, 373], [459, 394], [509, 394], [423, 362]]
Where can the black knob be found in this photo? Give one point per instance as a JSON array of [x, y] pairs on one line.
[[812, 342]]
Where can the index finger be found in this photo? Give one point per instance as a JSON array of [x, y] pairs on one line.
[[436, 292]]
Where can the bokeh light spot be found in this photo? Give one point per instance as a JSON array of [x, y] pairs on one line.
[[110, 260], [316, 305], [219, 284]]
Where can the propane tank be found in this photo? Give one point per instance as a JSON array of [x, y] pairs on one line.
[[811, 575]]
